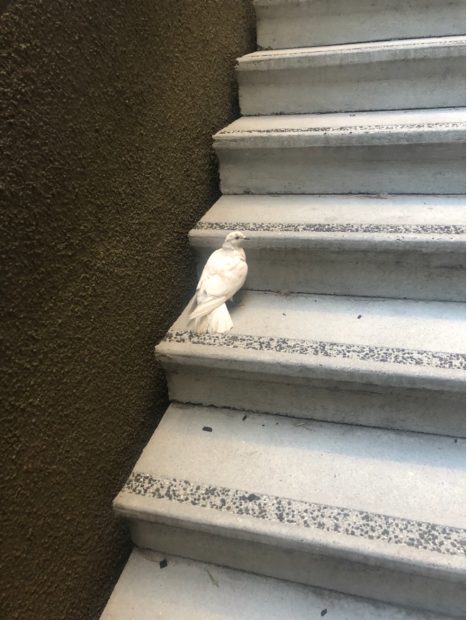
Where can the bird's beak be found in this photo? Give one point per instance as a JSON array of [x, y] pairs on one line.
[[246, 238]]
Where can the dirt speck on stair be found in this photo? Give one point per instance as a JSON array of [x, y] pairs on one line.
[[212, 579]]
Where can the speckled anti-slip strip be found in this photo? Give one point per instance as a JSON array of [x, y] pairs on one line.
[[372, 526], [456, 41], [348, 49], [406, 357], [398, 229], [347, 129]]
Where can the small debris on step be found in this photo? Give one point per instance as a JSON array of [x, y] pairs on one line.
[[213, 581], [163, 563], [303, 425], [207, 429], [244, 418], [359, 316], [324, 612]]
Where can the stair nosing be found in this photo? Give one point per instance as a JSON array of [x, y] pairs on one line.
[[381, 128], [341, 237], [390, 375], [373, 357], [309, 525], [351, 53], [241, 531]]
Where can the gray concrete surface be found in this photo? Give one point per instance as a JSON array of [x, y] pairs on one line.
[[317, 499], [404, 152], [199, 591], [383, 245], [381, 75], [298, 23], [358, 486], [186, 589], [360, 360]]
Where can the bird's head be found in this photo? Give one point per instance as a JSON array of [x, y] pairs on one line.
[[235, 239]]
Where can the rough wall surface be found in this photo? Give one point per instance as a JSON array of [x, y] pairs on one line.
[[107, 162]]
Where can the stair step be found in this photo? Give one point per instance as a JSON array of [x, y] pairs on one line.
[[186, 589], [299, 23], [377, 362], [382, 75], [326, 505], [386, 246], [411, 152]]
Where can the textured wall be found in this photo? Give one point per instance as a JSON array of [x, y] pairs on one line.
[[110, 106]]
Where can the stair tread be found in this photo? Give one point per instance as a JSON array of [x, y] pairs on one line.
[[376, 221], [200, 591], [353, 52], [380, 341], [347, 491], [296, 23], [401, 126]]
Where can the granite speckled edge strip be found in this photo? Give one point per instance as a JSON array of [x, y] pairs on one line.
[[349, 48], [424, 229], [405, 357], [347, 129], [371, 526]]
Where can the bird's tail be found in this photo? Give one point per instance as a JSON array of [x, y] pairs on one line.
[[205, 308], [217, 321]]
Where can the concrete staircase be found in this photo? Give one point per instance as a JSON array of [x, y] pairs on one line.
[[311, 461]]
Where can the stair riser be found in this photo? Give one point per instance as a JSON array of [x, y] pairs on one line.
[[352, 577], [394, 85], [427, 411], [320, 22], [397, 169], [395, 275]]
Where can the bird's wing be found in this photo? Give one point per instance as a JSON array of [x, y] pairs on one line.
[[222, 276], [222, 273]]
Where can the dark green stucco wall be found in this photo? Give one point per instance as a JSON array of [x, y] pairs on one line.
[[107, 162]]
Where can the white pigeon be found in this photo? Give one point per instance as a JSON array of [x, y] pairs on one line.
[[223, 275]]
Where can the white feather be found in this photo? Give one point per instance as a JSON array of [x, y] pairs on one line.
[[223, 275]]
